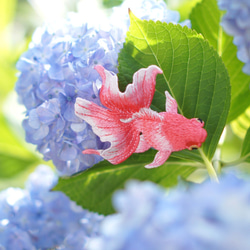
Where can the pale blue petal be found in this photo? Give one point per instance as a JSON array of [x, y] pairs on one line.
[[78, 127], [41, 133], [46, 116], [55, 72], [69, 113], [34, 121], [68, 152]]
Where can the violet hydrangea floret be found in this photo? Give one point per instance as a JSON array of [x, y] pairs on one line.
[[59, 67], [206, 216], [236, 22], [155, 10], [36, 218]]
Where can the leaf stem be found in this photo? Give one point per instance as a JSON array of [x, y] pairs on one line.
[[216, 160], [209, 166], [236, 162]]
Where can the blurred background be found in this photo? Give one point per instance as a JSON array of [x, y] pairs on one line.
[[18, 20]]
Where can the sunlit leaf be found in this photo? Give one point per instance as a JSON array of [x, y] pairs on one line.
[[205, 19], [111, 3], [246, 146], [184, 8], [14, 157], [194, 74], [7, 10], [11, 164], [241, 124], [93, 189]]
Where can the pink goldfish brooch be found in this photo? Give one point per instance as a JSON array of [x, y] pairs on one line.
[[131, 126]]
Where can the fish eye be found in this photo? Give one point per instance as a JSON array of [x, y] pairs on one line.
[[193, 147], [199, 120]]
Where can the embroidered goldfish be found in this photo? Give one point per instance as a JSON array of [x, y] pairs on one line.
[[131, 126]]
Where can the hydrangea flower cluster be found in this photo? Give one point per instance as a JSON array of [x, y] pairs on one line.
[[155, 10], [58, 67], [236, 22], [35, 218], [208, 216]]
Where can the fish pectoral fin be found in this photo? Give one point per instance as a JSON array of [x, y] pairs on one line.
[[143, 145], [159, 159]]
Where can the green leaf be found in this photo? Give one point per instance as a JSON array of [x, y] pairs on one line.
[[194, 74], [241, 124], [11, 164], [111, 3], [93, 189], [246, 146], [14, 157], [7, 10], [205, 19], [196, 77], [7, 79], [184, 8]]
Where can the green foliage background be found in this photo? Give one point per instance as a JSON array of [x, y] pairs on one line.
[[17, 159], [196, 76], [201, 71]]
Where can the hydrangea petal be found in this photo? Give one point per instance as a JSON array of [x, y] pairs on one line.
[[34, 121], [55, 72], [148, 219], [41, 133], [68, 152], [246, 68], [69, 113], [78, 127], [46, 115], [42, 180], [235, 22], [36, 218]]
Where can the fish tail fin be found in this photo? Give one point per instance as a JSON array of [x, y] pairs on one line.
[[91, 151], [123, 137]]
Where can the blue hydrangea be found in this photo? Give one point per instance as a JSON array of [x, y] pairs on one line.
[[207, 216], [155, 10], [59, 67], [35, 218], [236, 22]]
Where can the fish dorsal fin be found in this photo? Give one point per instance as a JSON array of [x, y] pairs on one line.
[[171, 104], [137, 95]]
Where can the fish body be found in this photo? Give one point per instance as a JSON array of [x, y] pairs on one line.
[[131, 126]]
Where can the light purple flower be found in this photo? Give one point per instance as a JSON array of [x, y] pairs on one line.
[[155, 10], [207, 216], [236, 22], [59, 67], [36, 218]]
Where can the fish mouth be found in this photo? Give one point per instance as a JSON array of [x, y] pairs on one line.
[[203, 135], [193, 147]]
